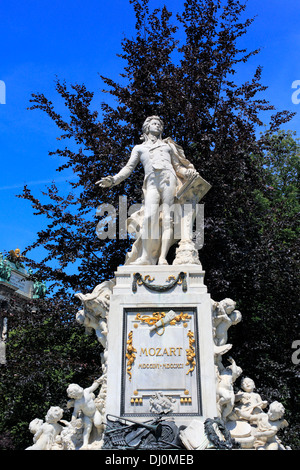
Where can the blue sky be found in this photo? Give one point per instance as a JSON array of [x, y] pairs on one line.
[[76, 41]]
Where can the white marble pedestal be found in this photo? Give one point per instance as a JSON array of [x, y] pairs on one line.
[[171, 367]]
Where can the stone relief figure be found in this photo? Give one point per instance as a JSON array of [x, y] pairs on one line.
[[166, 171], [219, 351], [225, 390], [224, 316], [87, 425], [93, 316], [96, 307], [267, 425], [70, 437], [242, 412], [85, 408], [100, 403], [160, 403], [46, 432], [92, 323], [247, 402]]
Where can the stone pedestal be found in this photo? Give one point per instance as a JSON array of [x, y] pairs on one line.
[[160, 344]]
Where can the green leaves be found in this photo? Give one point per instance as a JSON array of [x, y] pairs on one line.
[[46, 351]]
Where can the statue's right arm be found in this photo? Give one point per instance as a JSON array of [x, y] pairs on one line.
[[94, 386], [109, 181]]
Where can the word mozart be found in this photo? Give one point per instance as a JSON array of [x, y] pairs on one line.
[[159, 352]]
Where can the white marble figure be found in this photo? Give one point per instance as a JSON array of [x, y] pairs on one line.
[[93, 316], [100, 402], [224, 316], [160, 403], [96, 307], [166, 170], [266, 427], [46, 432], [85, 408], [242, 411], [247, 401], [70, 437], [219, 351], [225, 390]]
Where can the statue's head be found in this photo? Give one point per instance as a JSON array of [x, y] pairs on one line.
[[35, 424], [247, 384], [75, 391], [146, 126], [276, 411], [54, 414], [228, 305]]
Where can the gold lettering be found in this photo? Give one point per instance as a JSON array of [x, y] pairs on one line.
[[161, 366], [159, 352]]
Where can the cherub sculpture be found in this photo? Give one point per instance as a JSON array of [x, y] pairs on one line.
[[93, 316], [224, 316], [247, 401], [46, 432], [225, 391], [83, 402], [160, 403], [267, 426]]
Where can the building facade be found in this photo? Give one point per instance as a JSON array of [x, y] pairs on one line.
[[16, 289]]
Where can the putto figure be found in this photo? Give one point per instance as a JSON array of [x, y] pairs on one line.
[[46, 432], [85, 407], [166, 171]]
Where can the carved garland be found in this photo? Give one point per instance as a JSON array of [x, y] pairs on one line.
[[130, 355], [190, 353], [138, 280]]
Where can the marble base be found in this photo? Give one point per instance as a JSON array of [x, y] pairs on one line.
[[160, 369], [241, 431]]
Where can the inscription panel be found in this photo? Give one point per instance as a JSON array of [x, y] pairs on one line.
[[17, 281], [160, 359]]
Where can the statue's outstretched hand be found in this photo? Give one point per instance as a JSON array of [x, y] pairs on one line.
[[106, 182]]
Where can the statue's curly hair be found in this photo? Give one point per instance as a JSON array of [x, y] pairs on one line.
[[145, 128]]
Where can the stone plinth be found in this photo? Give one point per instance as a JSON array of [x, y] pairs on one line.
[[160, 344]]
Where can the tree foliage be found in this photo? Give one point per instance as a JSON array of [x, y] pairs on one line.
[[183, 69], [46, 351]]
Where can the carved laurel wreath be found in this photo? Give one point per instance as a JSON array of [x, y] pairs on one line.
[[227, 443]]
